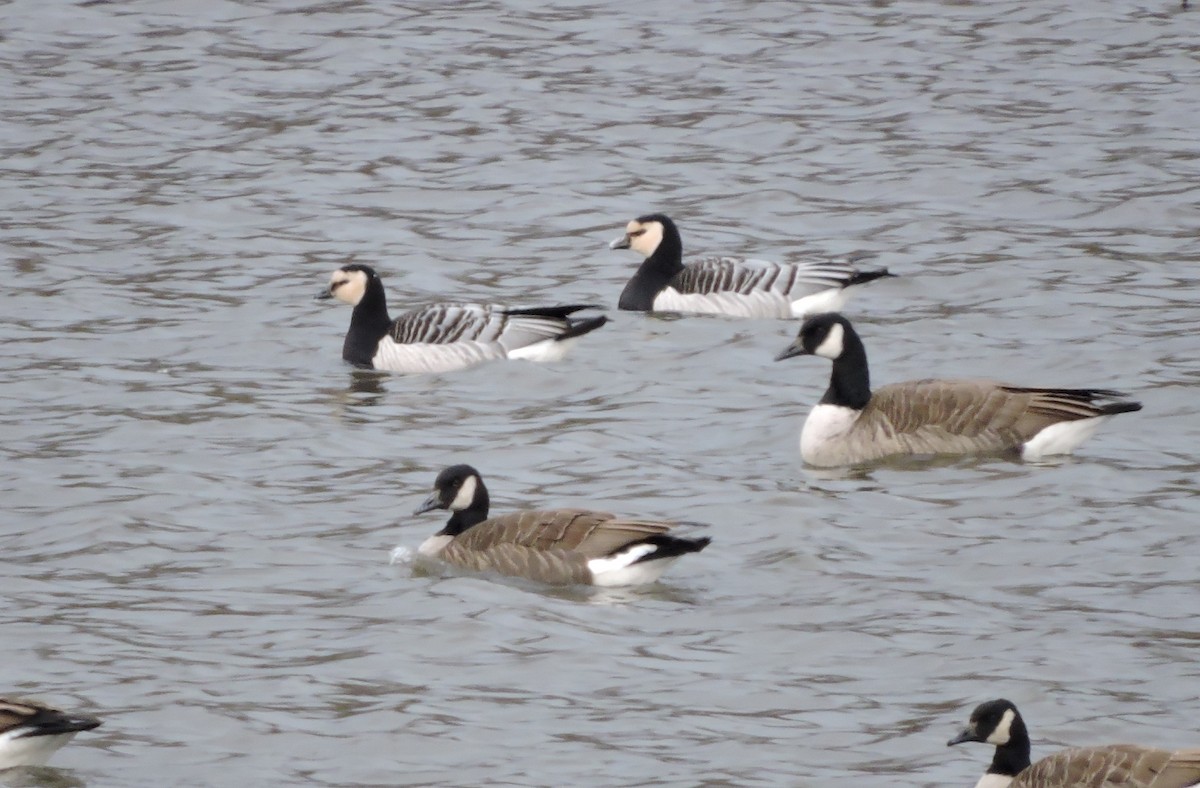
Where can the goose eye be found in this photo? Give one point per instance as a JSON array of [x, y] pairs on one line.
[[636, 233]]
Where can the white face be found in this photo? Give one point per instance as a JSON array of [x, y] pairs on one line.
[[1000, 736], [466, 494], [831, 346], [348, 286], [644, 238]]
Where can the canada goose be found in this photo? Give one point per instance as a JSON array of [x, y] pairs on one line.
[[727, 285], [556, 546], [1113, 766], [448, 336], [851, 424], [30, 732]]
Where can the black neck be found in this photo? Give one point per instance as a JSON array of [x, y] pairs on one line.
[[474, 514], [655, 273], [850, 382], [1012, 758], [369, 323]]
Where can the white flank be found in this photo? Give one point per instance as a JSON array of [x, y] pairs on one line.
[[29, 750], [546, 350], [758, 304], [831, 300], [1061, 438], [624, 569], [831, 347], [994, 781], [1003, 730], [824, 427], [434, 545], [428, 357]]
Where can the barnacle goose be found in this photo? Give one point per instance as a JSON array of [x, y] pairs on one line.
[[448, 336], [554, 546], [1112, 766], [728, 285], [853, 424]]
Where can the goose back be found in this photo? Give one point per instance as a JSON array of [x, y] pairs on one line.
[[950, 417], [550, 546], [1113, 766]]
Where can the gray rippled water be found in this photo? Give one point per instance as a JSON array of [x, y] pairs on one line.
[[201, 499]]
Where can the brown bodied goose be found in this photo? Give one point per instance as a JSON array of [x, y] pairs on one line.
[[556, 546], [450, 336], [852, 424], [1114, 766], [727, 285], [31, 732]]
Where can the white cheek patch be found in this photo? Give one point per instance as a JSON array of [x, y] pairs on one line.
[[999, 737], [831, 347], [466, 495], [352, 288], [646, 243]]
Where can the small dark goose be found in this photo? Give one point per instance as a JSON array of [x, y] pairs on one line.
[[446, 337], [554, 546], [728, 285], [852, 424], [1112, 766], [31, 732]]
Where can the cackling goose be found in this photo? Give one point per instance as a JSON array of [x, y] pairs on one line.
[[1113, 766], [727, 285], [30, 732], [447, 336], [851, 424], [556, 546]]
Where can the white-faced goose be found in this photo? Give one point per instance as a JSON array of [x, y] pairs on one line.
[[1113, 766], [728, 285], [448, 336], [853, 424], [554, 546], [31, 732]]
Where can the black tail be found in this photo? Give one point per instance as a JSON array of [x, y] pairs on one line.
[[577, 328], [552, 311], [862, 277], [1127, 406], [671, 546], [1087, 399]]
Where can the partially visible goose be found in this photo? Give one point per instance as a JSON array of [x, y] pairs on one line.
[[852, 424], [449, 336], [728, 285], [1113, 766], [31, 732], [556, 546]]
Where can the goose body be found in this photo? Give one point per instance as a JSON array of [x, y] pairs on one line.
[[1112, 766], [447, 336], [554, 546], [728, 285], [31, 732], [853, 424]]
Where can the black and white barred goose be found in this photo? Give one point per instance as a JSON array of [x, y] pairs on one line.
[[448, 336], [728, 285]]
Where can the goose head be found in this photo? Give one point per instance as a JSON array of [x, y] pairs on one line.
[[821, 335], [456, 489], [645, 234], [996, 722], [348, 284]]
